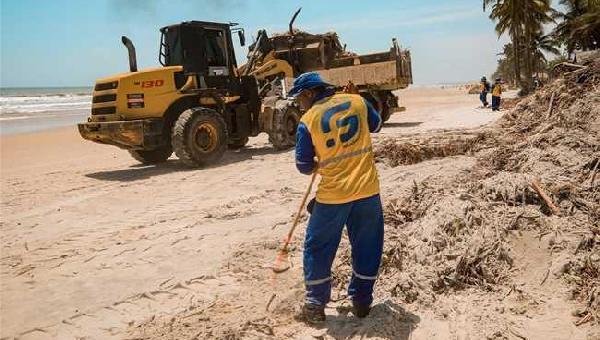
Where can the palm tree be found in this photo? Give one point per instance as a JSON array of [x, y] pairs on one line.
[[506, 64], [537, 14], [541, 47], [509, 19], [579, 25], [487, 3], [521, 20], [543, 43]]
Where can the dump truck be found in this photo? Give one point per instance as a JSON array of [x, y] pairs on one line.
[[276, 60], [199, 103]]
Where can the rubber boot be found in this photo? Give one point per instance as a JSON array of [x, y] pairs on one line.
[[360, 311], [312, 314]]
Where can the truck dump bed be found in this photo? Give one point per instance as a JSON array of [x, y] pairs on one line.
[[385, 71], [323, 53]]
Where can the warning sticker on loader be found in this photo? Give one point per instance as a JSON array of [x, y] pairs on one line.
[[135, 100]]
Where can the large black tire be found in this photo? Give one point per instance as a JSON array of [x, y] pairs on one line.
[[389, 101], [385, 112], [199, 137], [155, 156], [238, 143], [286, 117], [380, 105]]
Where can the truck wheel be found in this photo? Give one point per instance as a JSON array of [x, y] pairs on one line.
[[155, 156], [238, 143], [390, 103], [286, 117], [199, 136], [385, 112], [381, 106]]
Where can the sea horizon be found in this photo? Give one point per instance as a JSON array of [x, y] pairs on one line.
[[26, 109]]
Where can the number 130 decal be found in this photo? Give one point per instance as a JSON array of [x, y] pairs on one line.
[[350, 121]]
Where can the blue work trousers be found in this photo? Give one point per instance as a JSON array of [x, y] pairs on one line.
[[364, 221], [483, 98], [495, 103]]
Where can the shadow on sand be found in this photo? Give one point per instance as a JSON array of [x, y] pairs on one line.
[[402, 124], [387, 320], [140, 171]]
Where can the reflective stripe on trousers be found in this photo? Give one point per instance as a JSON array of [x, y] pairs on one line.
[[364, 277], [317, 282]]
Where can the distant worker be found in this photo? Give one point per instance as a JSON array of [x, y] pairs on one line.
[[485, 88], [335, 130], [496, 94]]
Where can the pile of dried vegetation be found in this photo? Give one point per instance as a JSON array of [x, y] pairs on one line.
[[536, 170]]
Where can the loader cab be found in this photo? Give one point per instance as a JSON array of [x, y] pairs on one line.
[[202, 48]]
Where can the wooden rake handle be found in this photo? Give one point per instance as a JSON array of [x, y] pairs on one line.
[[288, 238]]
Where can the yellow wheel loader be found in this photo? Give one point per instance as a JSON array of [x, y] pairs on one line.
[[196, 105]]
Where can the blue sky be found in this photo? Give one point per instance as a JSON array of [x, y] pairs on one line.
[[73, 42]]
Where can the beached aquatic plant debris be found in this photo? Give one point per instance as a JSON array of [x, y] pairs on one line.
[[475, 233], [458, 235]]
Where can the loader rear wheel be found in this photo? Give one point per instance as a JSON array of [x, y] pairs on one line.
[[155, 156], [199, 137], [286, 117]]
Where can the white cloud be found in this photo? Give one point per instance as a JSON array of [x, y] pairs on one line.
[[399, 18]]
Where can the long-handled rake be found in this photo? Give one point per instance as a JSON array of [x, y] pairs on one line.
[[281, 262]]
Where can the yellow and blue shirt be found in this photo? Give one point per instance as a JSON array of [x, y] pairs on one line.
[[336, 131], [497, 90]]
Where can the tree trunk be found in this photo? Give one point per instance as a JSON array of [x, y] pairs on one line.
[[516, 58], [528, 62]]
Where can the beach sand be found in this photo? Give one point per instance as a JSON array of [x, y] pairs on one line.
[[95, 245]]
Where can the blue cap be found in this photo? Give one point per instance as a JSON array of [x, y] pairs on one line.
[[307, 81]]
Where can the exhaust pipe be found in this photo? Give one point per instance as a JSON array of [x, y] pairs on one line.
[[131, 50]]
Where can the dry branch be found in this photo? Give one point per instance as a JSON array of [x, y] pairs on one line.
[[550, 106], [535, 184]]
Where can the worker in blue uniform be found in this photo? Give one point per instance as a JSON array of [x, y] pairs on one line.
[[333, 138], [483, 91]]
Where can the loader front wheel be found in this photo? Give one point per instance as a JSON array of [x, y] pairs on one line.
[[155, 156], [286, 117], [199, 137]]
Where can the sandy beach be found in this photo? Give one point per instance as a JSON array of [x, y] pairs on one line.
[[96, 246]]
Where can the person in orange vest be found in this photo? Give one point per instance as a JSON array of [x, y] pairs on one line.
[[333, 138], [496, 94]]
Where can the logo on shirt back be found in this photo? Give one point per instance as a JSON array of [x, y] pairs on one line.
[[350, 121]]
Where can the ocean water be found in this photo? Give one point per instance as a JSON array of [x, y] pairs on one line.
[[21, 103], [39, 108]]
